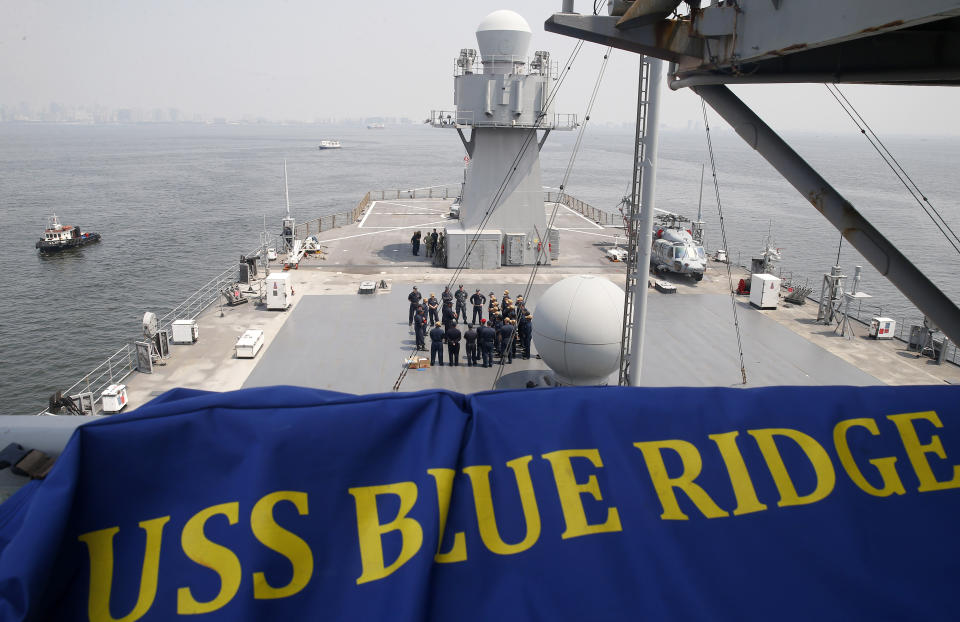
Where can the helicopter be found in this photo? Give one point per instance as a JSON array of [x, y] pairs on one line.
[[676, 248]]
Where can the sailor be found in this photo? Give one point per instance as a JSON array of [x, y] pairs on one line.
[[461, 297], [510, 312], [428, 242], [434, 236], [477, 301], [492, 305], [505, 299], [521, 306], [471, 338], [507, 341], [496, 323], [449, 317], [420, 328], [453, 344], [415, 241], [436, 344], [485, 336], [433, 308], [414, 299], [447, 295], [525, 331], [439, 254]]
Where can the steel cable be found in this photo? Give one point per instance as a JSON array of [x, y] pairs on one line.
[[895, 166], [557, 203], [723, 236]]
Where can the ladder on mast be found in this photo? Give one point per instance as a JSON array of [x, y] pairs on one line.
[[631, 222]]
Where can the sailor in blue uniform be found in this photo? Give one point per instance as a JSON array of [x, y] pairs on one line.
[[485, 335], [433, 307], [471, 338], [507, 341], [436, 344], [414, 297], [448, 317], [420, 328], [453, 344], [525, 330], [477, 301]]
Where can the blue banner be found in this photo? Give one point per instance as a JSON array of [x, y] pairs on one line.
[[284, 503]]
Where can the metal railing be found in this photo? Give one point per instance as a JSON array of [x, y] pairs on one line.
[[461, 118], [123, 362], [332, 221], [598, 216], [118, 366], [430, 192], [522, 65], [864, 313], [198, 302]]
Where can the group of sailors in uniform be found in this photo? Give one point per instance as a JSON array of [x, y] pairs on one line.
[[505, 332]]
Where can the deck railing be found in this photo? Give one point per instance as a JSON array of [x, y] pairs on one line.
[[123, 362], [332, 221], [429, 192], [864, 313], [598, 216]]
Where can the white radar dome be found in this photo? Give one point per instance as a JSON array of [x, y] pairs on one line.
[[578, 327], [503, 33]]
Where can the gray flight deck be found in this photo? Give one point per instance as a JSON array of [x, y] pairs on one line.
[[356, 344], [335, 338]]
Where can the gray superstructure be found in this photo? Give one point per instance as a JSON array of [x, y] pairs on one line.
[[503, 99]]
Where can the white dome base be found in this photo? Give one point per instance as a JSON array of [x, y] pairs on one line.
[[578, 328]]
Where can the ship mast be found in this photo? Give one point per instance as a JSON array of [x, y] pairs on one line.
[[286, 188], [640, 221]]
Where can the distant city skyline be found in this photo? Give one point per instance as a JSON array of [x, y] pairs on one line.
[[300, 60], [58, 112]]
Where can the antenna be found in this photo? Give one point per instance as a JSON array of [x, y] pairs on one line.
[[700, 202], [286, 190]]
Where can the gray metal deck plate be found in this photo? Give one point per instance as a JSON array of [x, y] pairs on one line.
[[356, 344]]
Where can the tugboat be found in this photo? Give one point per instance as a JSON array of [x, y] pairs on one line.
[[329, 144], [58, 237]]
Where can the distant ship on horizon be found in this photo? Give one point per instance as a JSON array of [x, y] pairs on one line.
[[375, 126]]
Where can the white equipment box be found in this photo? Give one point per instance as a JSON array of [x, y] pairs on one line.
[[249, 344], [114, 398], [764, 291], [278, 291], [185, 331], [882, 328]]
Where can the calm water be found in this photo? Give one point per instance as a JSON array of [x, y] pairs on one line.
[[178, 204]]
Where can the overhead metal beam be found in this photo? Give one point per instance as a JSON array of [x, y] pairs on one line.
[[862, 235], [748, 31], [758, 41], [669, 40]]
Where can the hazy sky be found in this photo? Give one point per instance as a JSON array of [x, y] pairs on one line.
[[306, 59]]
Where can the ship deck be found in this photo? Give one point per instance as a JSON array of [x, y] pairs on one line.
[[334, 338]]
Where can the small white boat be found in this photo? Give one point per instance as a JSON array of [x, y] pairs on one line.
[[329, 144]]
